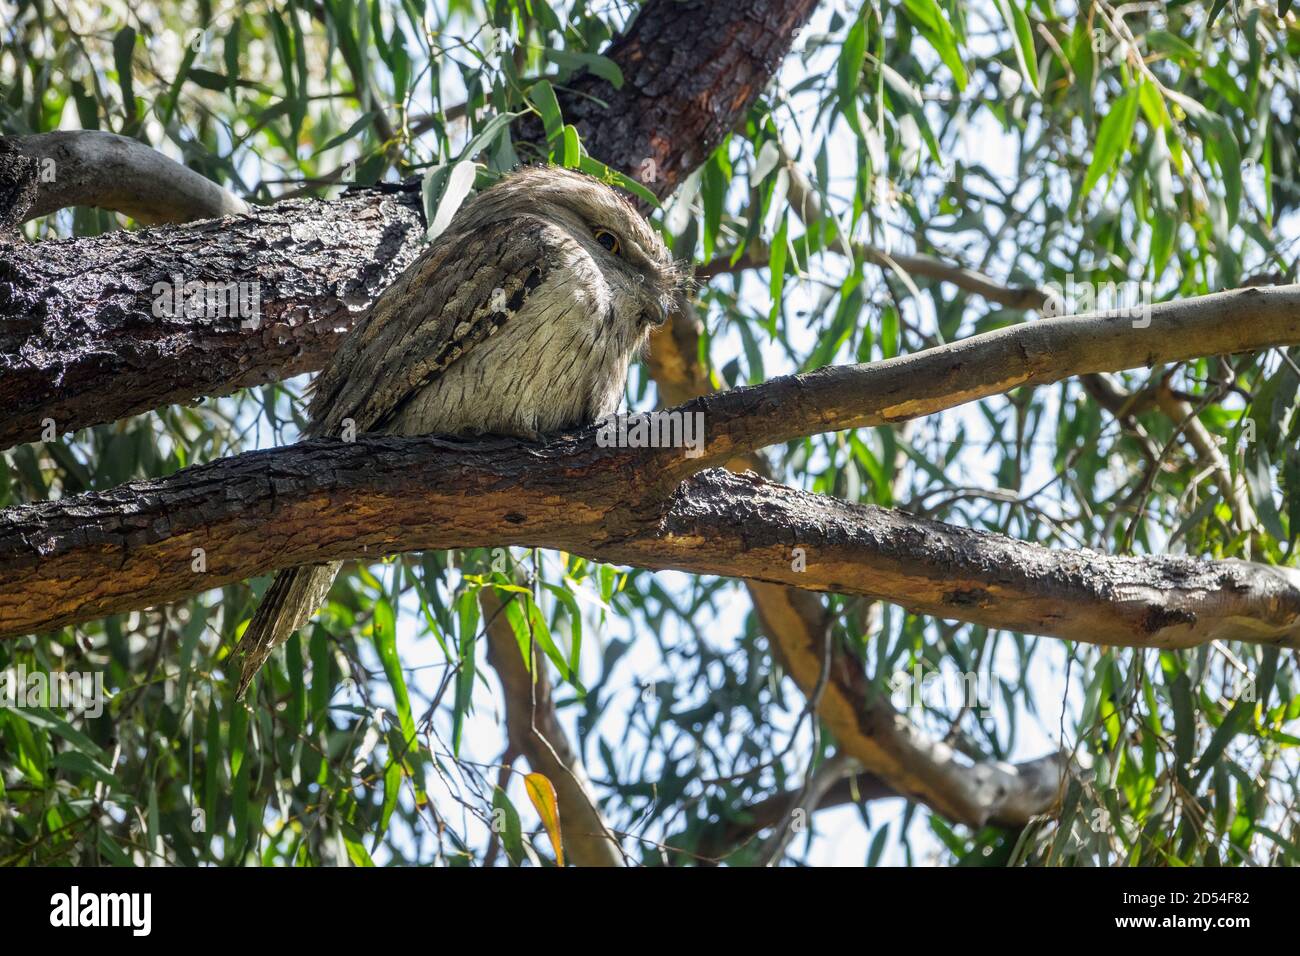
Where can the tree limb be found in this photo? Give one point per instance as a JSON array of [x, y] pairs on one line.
[[534, 730], [80, 342], [795, 622], [691, 71], [101, 553], [1029, 354], [108, 171]]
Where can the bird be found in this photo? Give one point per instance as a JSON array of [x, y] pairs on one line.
[[520, 319]]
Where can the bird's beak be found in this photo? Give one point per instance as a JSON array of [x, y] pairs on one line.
[[657, 314]]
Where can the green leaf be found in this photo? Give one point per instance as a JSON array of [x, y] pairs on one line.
[[934, 25], [910, 100], [487, 134], [776, 272], [468, 618], [357, 852], [1112, 140], [321, 686], [601, 66], [384, 631], [1017, 20], [392, 791], [877, 847], [713, 195], [610, 177], [365, 120], [76, 762], [566, 598], [1180, 695], [230, 56], [48, 720], [572, 152], [509, 830], [1234, 723], [848, 70], [123, 48], [542, 95]]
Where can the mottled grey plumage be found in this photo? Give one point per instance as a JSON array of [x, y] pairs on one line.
[[516, 321]]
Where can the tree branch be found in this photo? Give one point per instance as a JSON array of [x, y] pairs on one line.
[[108, 171], [80, 342], [1030, 354], [534, 730], [676, 107], [95, 554]]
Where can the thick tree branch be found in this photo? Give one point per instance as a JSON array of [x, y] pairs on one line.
[[691, 71], [746, 527], [83, 557], [80, 342]]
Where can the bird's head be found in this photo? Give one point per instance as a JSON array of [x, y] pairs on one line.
[[632, 258]]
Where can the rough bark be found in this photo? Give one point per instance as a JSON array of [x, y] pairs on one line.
[[20, 181], [691, 71], [80, 343], [95, 554]]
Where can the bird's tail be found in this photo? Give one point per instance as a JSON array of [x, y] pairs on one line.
[[288, 604]]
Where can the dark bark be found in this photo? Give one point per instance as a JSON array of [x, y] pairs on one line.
[[19, 185], [84, 557], [80, 343], [691, 71]]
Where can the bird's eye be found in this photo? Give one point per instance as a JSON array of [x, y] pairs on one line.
[[608, 240]]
